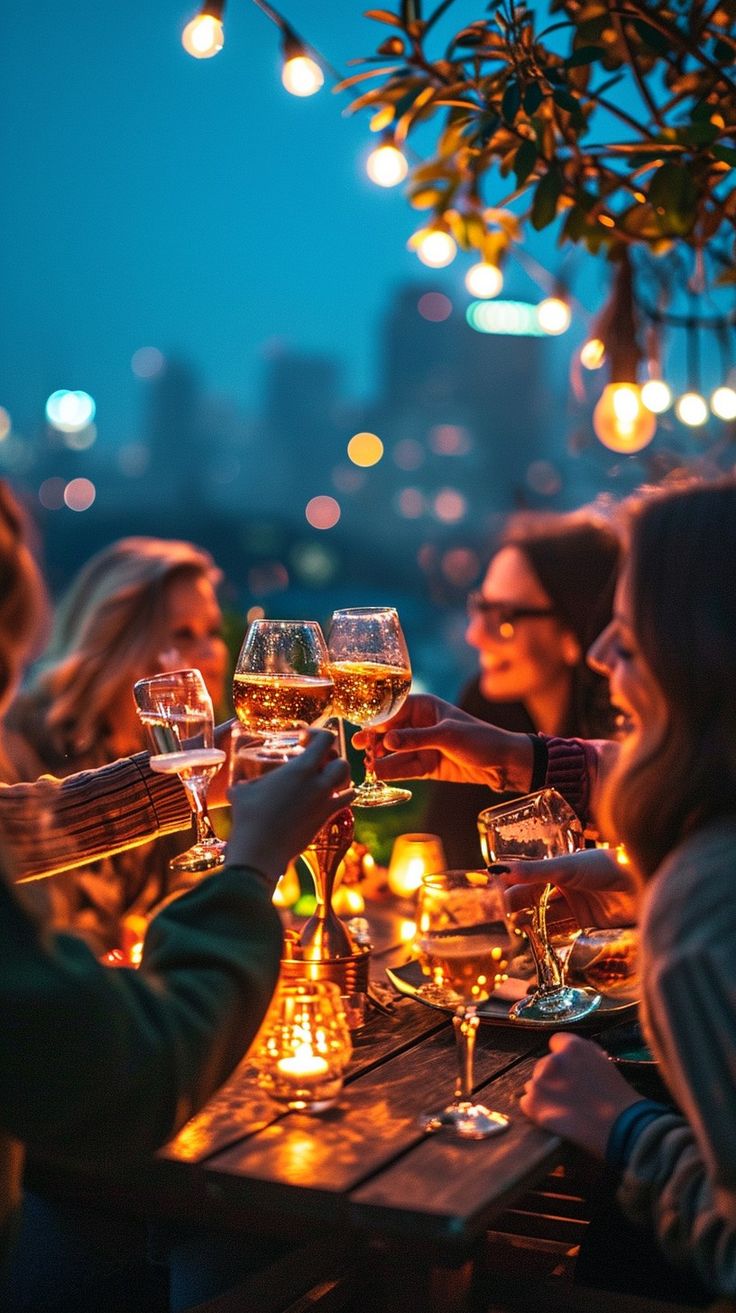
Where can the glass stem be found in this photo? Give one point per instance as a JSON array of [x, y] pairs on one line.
[[202, 825], [550, 971], [370, 773], [465, 1022]]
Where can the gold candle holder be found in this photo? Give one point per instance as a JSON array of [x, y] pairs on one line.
[[304, 1046]]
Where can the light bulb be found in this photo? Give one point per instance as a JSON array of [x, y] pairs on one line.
[[302, 76], [203, 37], [723, 403], [553, 315], [435, 248], [484, 280], [691, 409], [592, 353], [656, 395], [386, 166], [621, 421]]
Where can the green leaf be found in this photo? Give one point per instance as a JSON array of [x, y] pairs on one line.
[[546, 197], [725, 153], [584, 55], [651, 36], [533, 98], [526, 158], [674, 196], [511, 102], [571, 105]]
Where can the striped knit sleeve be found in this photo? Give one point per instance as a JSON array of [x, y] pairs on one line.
[[54, 824]]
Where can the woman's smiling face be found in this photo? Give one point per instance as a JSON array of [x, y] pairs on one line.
[[634, 689]]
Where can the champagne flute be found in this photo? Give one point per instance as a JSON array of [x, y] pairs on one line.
[[465, 946], [371, 670], [282, 681], [536, 826], [175, 710]]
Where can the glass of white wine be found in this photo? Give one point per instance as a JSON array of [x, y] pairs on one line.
[[537, 826], [465, 946], [370, 667], [175, 710], [282, 682]]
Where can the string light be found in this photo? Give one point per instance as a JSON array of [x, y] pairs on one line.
[[435, 247], [691, 409], [656, 395], [204, 35], [621, 420], [554, 315], [723, 403], [302, 75], [386, 166], [484, 280], [592, 353]]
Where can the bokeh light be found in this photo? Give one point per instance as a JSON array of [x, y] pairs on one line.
[[592, 353], [408, 454], [460, 565], [147, 362], [434, 306], [5, 423], [322, 512], [79, 494], [434, 247], [410, 503], [302, 76], [254, 613], [691, 409], [621, 420], [51, 493], [450, 505], [348, 479], [69, 411], [386, 166], [267, 577], [203, 37], [81, 439], [554, 315], [314, 563], [449, 440], [656, 395], [543, 478], [723, 403], [484, 279], [365, 449], [512, 318]]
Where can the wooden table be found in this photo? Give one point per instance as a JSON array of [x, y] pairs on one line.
[[364, 1170]]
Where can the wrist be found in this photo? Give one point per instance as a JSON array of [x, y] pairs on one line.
[[515, 757]]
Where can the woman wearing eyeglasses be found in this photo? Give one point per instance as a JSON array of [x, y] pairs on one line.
[[546, 595]]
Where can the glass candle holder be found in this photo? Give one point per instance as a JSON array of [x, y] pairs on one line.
[[304, 1046], [412, 857]]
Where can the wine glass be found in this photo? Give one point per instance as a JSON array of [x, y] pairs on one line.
[[464, 946], [175, 710], [370, 666], [536, 826], [282, 681]]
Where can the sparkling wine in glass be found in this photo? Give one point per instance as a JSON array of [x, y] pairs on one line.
[[465, 946], [371, 670], [282, 680], [175, 710], [531, 828]]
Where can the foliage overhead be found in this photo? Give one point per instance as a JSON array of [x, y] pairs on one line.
[[618, 118]]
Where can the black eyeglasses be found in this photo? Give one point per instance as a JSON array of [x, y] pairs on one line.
[[500, 619]]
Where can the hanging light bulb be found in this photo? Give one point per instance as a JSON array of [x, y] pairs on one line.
[[723, 403], [621, 420], [484, 280], [204, 35], [553, 315], [656, 395], [386, 166], [435, 247], [691, 409], [592, 353], [301, 74]]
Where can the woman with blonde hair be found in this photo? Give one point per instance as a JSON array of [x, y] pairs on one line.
[[139, 606]]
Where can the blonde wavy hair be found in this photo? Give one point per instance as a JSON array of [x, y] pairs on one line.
[[109, 628]]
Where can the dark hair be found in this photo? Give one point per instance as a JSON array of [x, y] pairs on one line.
[[683, 597], [23, 599], [575, 558]]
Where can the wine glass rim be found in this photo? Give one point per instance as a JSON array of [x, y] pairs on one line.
[[272, 620], [365, 610], [502, 809], [167, 674]]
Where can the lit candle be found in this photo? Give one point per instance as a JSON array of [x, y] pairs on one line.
[[413, 857], [304, 1067]]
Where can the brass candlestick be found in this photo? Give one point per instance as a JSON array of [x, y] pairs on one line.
[[324, 936]]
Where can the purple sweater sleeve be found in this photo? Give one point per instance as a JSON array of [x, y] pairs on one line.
[[573, 767]]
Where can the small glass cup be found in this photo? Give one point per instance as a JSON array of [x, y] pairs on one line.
[[304, 1046]]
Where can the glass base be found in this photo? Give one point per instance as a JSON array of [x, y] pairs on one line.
[[201, 857], [556, 1007], [379, 795], [470, 1121]]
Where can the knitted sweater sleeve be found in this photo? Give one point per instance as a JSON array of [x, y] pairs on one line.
[[576, 768]]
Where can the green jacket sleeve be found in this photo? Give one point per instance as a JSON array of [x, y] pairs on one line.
[[97, 1061]]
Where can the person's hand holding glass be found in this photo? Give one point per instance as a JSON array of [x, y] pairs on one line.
[[370, 667], [464, 945], [175, 710], [540, 825]]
